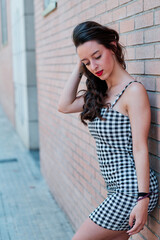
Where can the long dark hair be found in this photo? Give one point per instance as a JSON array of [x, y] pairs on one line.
[[96, 89]]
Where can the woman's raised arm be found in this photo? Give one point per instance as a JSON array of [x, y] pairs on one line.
[[69, 102]]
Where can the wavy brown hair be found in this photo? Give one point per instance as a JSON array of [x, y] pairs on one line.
[[96, 91]]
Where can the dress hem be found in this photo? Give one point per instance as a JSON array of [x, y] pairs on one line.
[[109, 228]]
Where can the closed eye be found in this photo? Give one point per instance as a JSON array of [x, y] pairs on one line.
[[87, 64], [98, 57]]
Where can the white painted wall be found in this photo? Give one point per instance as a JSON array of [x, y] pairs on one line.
[[24, 71]]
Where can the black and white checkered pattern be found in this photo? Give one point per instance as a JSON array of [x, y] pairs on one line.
[[114, 150], [113, 213]]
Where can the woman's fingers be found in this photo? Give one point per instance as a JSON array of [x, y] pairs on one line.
[[131, 219], [137, 218], [136, 228]]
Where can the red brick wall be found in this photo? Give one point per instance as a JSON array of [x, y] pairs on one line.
[[6, 78], [68, 155]]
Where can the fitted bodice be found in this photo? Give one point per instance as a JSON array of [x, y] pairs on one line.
[[114, 132], [113, 138]]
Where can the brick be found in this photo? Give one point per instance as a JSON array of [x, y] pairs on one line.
[[158, 84], [124, 1], [115, 26], [90, 13], [159, 204], [90, 189], [99, 178], [123, 40], [95, 184], [136, 67], [100, 8], [106, 18], [130, 53], [126, 25], [148, 234], [157, 51], [155, 212], [153, 147], [155, 132], [94, 163], [154, 163], [103, 192], [143, 52], [157, 17], [155, 116], [151, 4], [158, 143], [119, 13], [135, 38], [152, 35], [149, 83], [87, 195], [99, 198], [85, 5], [93, 2], [135, 7], [137, 237], [154, 99], [112, 4], [94, 204], [152, 67], [144, 20], [154, 226]]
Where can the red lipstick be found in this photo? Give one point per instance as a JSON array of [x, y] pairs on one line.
[[99, 73]]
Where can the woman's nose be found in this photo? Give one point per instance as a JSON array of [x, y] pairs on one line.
[[93, 66]]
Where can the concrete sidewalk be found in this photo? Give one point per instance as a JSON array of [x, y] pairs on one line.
[[27, 209]]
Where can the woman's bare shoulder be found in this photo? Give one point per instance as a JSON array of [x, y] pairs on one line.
[[136, 90], [137, 97]]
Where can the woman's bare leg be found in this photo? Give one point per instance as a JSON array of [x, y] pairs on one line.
[[124, 236], [91, 231]]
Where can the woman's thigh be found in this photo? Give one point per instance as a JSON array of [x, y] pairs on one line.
[[91, 231]]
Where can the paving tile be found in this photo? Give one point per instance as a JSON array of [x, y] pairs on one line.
[[28, 211]]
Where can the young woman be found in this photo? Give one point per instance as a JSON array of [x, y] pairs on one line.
[[118, 113]]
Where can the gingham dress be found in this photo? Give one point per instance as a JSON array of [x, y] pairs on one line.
[[114, 150]]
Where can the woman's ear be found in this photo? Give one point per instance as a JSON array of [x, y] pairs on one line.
[[114, 43]]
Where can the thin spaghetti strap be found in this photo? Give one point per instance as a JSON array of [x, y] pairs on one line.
[[120, 94]]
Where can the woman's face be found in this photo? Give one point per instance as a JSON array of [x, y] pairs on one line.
[[97, 58]]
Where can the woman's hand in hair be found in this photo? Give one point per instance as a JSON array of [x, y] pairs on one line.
[[69, 102]]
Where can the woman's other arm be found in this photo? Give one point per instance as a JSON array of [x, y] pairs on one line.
[[69, 102], [140, 117]]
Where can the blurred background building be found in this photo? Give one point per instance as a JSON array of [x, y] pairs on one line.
[[36, 58]]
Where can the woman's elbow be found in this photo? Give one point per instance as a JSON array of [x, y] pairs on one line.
[[141, 147], [62, 109]]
